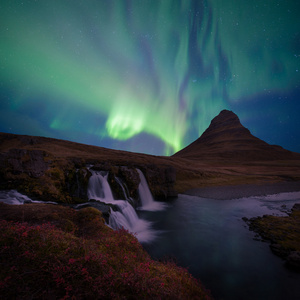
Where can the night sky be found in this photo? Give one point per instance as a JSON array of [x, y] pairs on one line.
[[149, 75]]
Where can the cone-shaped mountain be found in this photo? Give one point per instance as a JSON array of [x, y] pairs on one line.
[[226, 138]]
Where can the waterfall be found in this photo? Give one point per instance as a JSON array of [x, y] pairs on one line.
[[146, 197], [13, 197], [99, 189], [124, 189], [125, 216]]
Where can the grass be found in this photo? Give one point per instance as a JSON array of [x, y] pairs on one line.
[[62, 155], [49, 251], [283, 233]]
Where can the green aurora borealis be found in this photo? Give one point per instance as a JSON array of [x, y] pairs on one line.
[[148, 76]]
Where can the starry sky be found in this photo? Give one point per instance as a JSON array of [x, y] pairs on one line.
[[149, 75]]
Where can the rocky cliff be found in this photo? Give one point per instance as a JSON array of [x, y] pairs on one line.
[[50, 169]]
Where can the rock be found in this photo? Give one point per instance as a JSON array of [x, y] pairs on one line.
[[31, 162], [161, 180], [27, 202], [293, 260], [43, 176], [104, 166], [279, 250], [130, 176], [101, 206], [76, 182], [296, 207]]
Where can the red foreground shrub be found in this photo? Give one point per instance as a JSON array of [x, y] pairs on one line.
[[45, 262]]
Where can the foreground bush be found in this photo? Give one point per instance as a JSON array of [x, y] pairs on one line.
[[46, 262]]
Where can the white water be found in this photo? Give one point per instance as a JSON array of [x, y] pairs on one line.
[[147, 200], [287, 196], [13, 197], [128, 219], [126, 216], [99, 189], [124, 189]]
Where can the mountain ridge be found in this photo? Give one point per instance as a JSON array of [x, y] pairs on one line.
[[226, 138]]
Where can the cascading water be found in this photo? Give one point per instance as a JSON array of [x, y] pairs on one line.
[[147, 200], [124, 189], [125, 216], [99, 188], [13, 197]]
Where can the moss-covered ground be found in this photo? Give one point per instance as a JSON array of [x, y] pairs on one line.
[[283, 233]]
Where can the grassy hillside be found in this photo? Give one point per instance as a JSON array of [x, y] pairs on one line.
[[62, 156]]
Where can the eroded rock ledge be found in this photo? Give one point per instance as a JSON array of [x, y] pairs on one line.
[[46, 177]]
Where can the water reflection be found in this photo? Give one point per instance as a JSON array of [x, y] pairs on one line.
[[210, 238]]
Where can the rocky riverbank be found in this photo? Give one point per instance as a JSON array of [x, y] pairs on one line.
[[283, 234]]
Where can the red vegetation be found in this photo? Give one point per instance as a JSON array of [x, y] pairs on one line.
[[46, 262]]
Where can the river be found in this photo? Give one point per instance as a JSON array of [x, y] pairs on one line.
[[210, 238]]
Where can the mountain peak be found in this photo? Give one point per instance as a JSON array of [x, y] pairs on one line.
[[226, 138], [226, 113], [226, 116], [225, 126]]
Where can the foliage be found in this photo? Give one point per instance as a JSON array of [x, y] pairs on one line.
[[88, 261]]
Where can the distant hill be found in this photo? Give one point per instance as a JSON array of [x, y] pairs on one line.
[[227, 139]]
